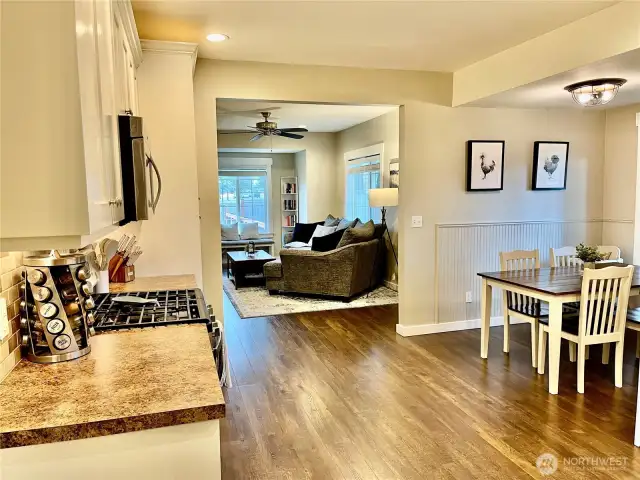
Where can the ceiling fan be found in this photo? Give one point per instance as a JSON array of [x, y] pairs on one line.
[[269, 129]]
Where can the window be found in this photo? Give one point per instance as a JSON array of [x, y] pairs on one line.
[[363, 174], [244, 197]]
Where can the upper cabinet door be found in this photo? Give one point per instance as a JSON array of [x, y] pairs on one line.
[[109, 112]]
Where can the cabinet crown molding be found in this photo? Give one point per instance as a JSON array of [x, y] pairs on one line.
[[163, 46], [124, 13]]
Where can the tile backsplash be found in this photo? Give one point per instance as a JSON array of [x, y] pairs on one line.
[[10, 279]]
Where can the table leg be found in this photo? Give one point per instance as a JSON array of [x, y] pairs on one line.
[[485, 306], [555, 326]]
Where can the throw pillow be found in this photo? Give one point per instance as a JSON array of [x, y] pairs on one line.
[[230, 232], [321, 231], [248, 231], [327, 242], [357, 234], [344, 223], [331, 221], [302, 231], [379, 230]]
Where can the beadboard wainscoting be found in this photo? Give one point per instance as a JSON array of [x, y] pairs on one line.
[[463, 250]]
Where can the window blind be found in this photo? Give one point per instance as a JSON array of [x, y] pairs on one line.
[[363, 174]]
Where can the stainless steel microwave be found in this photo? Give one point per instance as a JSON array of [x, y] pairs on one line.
[[138, 187]]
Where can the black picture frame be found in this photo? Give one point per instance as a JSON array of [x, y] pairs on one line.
[[470, 173], [534, 173]]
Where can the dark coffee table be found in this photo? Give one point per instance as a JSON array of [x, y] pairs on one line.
[[245, 270]]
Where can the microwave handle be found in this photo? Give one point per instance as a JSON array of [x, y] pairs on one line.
[[154, 203]]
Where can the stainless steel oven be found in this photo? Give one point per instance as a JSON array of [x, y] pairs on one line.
[[138, 172]]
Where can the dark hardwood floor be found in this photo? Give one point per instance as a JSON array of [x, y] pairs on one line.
[[338, 395]]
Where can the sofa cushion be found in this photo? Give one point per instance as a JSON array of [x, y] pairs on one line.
[[273, 269], [357, 234], [378, 230], [326, 243], [331, 221], [297, 245], [345, 223], [248, 231], [302, 231], [229, 232], [321, 231]]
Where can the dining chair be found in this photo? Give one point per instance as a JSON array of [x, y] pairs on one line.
[[611, 252], [563, 257], [601, 320], [633, 323], [518, 305]]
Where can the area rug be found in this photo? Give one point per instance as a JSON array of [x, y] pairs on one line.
[[256, 302]]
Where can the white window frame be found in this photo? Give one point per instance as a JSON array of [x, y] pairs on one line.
[[249, 164], [352, 155]]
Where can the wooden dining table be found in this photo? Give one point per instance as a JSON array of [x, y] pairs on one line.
[[556, 286]]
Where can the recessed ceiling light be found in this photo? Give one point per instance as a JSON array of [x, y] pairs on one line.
[[217, 37], [302, 126]]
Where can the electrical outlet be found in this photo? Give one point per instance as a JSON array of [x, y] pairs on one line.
[[468, 298], [416, 221], [4, 319]]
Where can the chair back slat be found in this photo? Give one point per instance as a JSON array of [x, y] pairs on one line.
[[563, 257], [604, 301]]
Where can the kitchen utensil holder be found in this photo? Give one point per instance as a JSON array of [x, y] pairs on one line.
[[55, 308], [125, 274]]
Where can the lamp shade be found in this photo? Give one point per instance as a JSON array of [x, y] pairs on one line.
[[383, 197]]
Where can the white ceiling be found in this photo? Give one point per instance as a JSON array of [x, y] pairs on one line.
[[550, 93], [315, 117], [409, 35]]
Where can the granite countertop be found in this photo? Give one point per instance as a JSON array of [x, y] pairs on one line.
[[132, 380], [147, 284]]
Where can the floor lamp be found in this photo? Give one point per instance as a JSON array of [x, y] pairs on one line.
[[383, 198]]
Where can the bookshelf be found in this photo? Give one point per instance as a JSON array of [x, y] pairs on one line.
[[288, 203]]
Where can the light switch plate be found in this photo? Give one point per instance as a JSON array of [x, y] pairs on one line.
[[4, 320], [416, 221]]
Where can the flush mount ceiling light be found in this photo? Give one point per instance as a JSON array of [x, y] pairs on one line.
[[595, 92], [217, 37]]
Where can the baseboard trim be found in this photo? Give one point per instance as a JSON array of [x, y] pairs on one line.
[[429, 328]]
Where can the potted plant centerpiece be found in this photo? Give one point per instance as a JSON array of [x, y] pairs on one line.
[[589, 255]]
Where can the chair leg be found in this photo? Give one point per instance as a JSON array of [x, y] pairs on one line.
[[534, 343], [582, 357], [605, 353], [572, 352], [618, 366], [542, 346]]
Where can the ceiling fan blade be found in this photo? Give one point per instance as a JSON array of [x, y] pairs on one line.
[[256, 137], [289, 135], [296, 129]]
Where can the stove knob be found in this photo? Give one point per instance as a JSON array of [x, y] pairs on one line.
[[82, 274], [91, 319], [86, 289], [36, 276], [25, 340], [49, 310], [42, 294], [89, 304]]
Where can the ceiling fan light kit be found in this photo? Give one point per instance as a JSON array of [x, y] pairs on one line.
[[267, 128], [599, 91]]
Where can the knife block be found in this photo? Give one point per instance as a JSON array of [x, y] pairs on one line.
[[125, 274]]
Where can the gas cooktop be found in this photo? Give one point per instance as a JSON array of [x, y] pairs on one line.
[[167, 307]]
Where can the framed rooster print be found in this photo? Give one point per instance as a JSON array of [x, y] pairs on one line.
[[550, 161], [485, 165]]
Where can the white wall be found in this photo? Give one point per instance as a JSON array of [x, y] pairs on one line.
[[384, 129], [283, 166], [619, 191], [171, 239]]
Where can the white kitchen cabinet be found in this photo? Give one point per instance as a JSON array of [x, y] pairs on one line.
[[60, 179]]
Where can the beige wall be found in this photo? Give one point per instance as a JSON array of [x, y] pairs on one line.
[[171, 239], [283, 166], [619, 190], [384, 129], [433, 182]]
